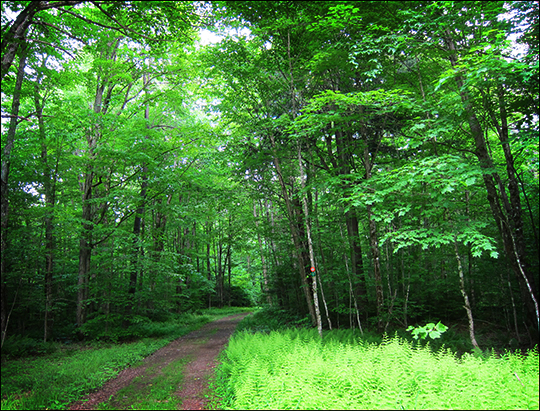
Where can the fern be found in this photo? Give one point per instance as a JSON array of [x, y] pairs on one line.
[[294, 369]]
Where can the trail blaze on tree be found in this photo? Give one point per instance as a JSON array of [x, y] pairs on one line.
[[380, 157]]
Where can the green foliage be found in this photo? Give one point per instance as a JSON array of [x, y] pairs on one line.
[[293, 369], [18, 346], [271, 318], [430, 330]]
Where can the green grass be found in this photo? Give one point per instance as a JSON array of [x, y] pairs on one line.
[[54, 380], [294, 369], [152, 391]]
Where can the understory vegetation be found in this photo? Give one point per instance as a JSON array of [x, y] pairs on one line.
[[65, 375], [292, 368]]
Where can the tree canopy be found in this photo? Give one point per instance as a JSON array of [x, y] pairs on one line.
[[361, 164]]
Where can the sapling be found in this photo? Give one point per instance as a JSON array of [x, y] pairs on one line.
[[429, 330]]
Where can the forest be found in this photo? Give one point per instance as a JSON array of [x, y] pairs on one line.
[[350, 165]]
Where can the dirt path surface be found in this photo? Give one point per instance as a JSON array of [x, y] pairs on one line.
[[201, 347]]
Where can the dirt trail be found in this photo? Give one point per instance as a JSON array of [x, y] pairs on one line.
[[201, 346]]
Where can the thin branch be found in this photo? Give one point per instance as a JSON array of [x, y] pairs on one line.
[[61, 30], [55, 5], [121, 25], [129, 214], [14, 116], [53, 46], [93, 22], [163, 126]]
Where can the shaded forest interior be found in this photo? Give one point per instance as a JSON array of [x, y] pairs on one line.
[[367, 165]]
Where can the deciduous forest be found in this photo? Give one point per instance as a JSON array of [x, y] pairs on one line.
[[349, 165]]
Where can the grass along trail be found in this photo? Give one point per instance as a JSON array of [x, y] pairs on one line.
[[175, 376]]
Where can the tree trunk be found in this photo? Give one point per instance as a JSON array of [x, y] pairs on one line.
[[16, 36], [374, 244], [263, 260], [4, 201], [467, 305], [296, 234], [49, 185], [136, 270], [510, 225], [310, 244]]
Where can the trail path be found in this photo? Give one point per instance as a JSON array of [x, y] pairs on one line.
[[201, 347]]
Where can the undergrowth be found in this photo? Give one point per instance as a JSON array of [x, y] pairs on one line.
[[64, 373], [269, 365], [294, 369]]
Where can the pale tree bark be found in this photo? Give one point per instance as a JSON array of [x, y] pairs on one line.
[[508, 219], [467, 305], [295, 232], [310, 243], [321, 253]]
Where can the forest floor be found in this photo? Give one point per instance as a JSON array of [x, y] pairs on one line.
[[197, 351]]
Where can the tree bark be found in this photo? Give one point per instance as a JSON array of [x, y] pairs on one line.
[[295, 232], [374, 245], [263, 259], [510, 225], [467, 305], [4, 200], [93, 134], [49, 185], [310, 244], [16, 35], [136, 270]]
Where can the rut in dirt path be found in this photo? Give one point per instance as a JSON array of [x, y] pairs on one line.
[[201, 347]]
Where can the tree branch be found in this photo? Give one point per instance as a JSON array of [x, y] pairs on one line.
[[61, 31], [53, 46], [121, 25], [93, 22]]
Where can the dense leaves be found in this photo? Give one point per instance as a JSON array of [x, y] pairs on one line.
[[393, 147]]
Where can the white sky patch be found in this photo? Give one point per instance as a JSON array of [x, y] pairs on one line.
[[207, 37]]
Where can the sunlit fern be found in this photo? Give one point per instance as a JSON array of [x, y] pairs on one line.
[[294, 369]]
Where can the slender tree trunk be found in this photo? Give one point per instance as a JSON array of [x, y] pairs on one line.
[[49, 185], [208, 269], [136, 270], [509, 225], [295, 232], [351, 293], [93, 135], [465, 296], [374, 244], [15, 37], [323, 263], [310, 243], [4, 200], [263, 260]]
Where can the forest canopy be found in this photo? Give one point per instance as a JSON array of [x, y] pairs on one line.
[[367, 165]]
